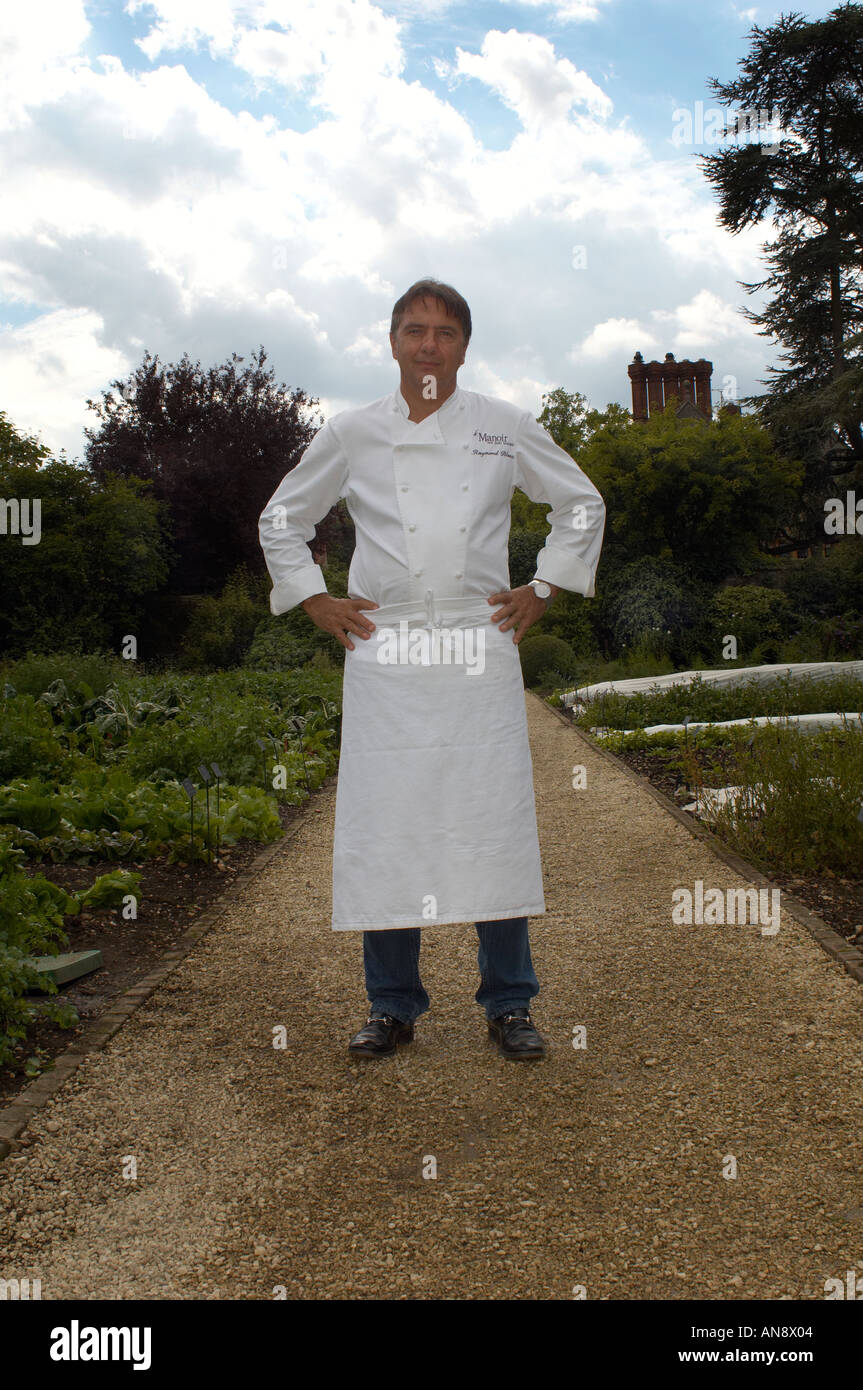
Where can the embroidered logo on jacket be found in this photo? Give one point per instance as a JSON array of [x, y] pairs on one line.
[[500, 444], [492, 438]]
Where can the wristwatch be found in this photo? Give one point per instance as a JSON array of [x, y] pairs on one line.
[[540, 588]]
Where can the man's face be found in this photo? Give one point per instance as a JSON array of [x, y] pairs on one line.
[[429, 343]]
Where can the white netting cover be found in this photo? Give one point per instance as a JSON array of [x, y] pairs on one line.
[[806, 723], [738, 675]]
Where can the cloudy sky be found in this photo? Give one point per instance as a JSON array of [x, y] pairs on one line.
[[210, 175]]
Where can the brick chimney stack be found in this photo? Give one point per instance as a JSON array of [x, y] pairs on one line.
[[655, 384], [638, 377]]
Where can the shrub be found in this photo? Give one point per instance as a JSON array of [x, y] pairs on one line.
[[649, 605], [758, 617], [524, 546], [27, 738], [33, 673], [571, 617], [539, 654], [220, 629], [290, 640], [827, 584]]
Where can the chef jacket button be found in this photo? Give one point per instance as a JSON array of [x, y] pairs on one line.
[[417, 574], [404, 489], [459, 576], [412, 528], [465, 486], [465, 446], [462, 528]]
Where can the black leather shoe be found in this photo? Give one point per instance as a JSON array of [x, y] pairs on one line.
[[516, 1036], [380, 1036]]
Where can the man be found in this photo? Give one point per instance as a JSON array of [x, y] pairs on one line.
[[435, 813]]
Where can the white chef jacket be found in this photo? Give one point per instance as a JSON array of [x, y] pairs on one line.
[[435, 812], [430, 503]]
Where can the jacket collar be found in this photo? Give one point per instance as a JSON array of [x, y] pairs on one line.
[[450, 404], [427, 431]]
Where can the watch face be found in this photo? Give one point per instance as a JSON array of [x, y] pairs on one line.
[[541, 588]]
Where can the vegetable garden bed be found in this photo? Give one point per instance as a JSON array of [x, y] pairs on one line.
[[172, 896], [800, 821], [836, 899], [125, 810]]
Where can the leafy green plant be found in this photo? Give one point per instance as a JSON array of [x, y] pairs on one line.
[[27, 737], [32, 911], [802, 792], [93, 754], [110, 889], [803, 797]]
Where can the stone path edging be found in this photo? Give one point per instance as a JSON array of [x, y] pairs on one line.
[[15, 1116], [835, 945]]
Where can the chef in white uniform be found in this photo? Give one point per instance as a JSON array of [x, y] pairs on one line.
[[435, 814]]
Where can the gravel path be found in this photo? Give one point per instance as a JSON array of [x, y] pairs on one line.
[[600, 1167]]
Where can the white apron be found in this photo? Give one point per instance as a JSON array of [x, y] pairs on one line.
[[435, 812]]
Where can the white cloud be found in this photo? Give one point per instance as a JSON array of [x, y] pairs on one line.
[[706, 317], [523, 391], [338, 47], [372, 346], [140, 210], [341, 43], [39, 42], [41, 33], [575, 11], [538, 86], [615, 338], [567, 11], [48, 368], [187, 23]]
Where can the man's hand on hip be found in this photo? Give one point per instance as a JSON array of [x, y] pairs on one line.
[[521, 609], [340, 616]]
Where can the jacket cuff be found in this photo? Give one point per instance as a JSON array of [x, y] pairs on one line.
[[557, 566], [288, 593]]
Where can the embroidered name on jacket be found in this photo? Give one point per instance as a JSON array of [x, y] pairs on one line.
[[503, 442], [492, 438]]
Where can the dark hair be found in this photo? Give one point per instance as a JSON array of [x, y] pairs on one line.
[[433, 289]]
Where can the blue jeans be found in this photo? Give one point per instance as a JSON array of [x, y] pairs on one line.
[[392, 966]]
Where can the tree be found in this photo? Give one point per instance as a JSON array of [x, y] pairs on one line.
[[613, 419], [564, 415], [708, 495], [99, 557], [214, 443], [808, 76], [571, 422], [16, 447]]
